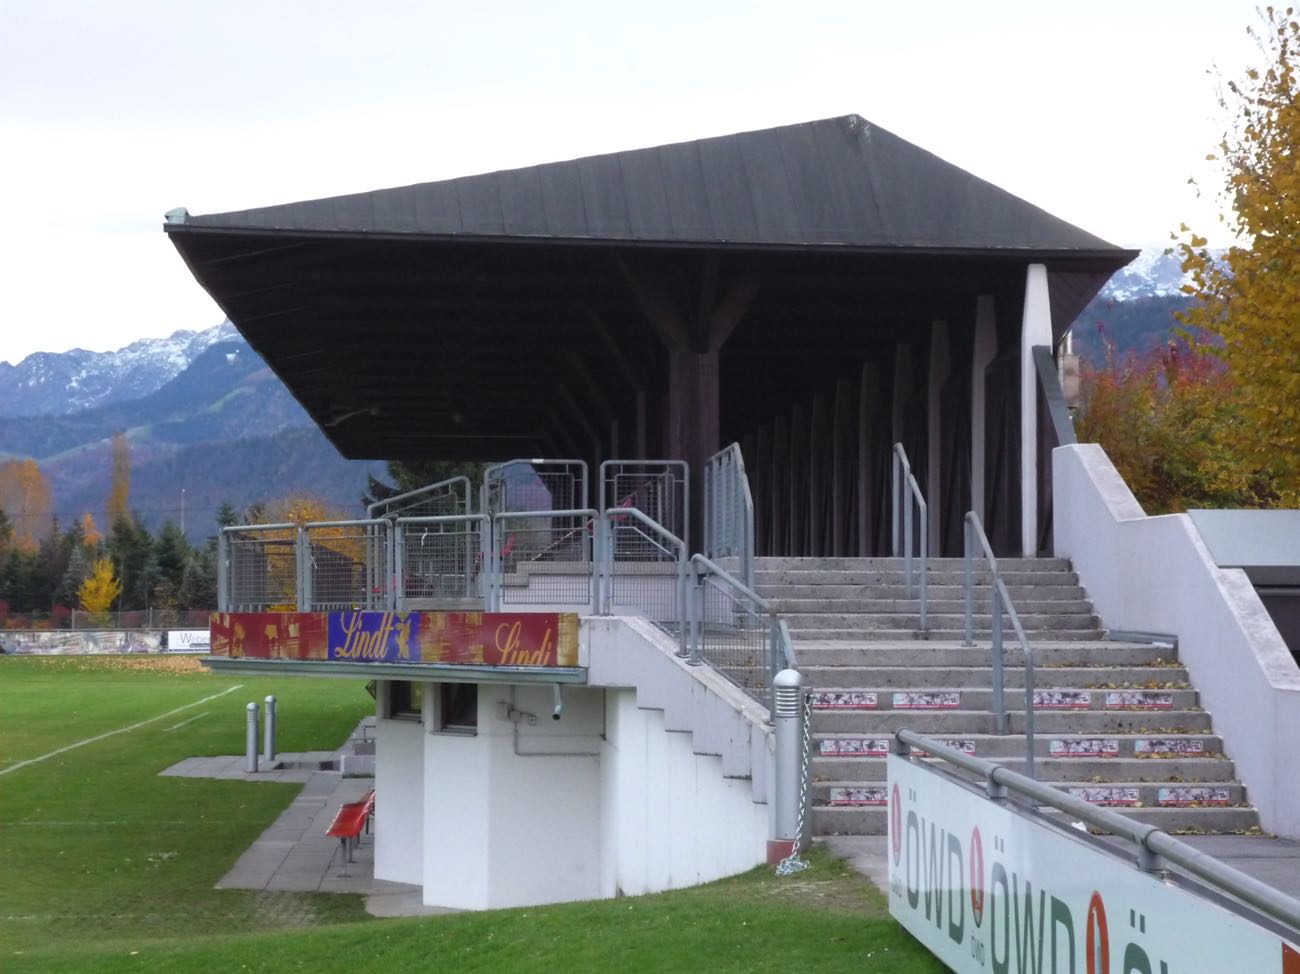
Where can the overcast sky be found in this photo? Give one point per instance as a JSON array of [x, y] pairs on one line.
[[112, 113]]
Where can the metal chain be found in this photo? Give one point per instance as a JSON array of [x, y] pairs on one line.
[[792, 864]]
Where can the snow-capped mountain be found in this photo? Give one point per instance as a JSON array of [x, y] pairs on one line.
[[1155, 273], [60, 383]]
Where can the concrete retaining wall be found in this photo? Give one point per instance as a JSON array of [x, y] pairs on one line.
[[1155, 574]]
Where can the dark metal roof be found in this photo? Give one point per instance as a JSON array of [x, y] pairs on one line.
[[840, 182], [493, 316]]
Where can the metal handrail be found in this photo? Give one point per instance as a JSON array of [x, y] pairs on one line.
[[225, 559], [780, 652], [428, 488], [378, 576], [665, 540], [903, 481], [498, 562], [1153, 843], [482, 560], [1000, 598], [729, 460]]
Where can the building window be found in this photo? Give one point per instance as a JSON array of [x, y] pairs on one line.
[[405, 700], [458, 707]]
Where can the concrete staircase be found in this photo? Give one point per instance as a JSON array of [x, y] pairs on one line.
[[1116, 723]]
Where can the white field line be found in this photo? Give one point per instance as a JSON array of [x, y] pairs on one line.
[[120, 730], [184, 722]]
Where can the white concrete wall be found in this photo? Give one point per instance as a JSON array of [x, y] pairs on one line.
[[514, 823], [545, 795], [458, 821], [655, 777], [1035, 329], [399, 816], [670, 817], [1155, 574]]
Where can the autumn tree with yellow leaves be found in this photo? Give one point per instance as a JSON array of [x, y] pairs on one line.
[[1247, 307], [101, 588], [25, 498]]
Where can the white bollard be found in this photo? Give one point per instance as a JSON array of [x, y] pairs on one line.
[[250, 742], [268, 741], [787, 723]]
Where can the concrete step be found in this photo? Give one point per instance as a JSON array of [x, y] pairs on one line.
[[1011, 578], [960, 722], [884, 680], [974, 685], [871, 821], [924, 654], [937, 609], [1173, 771], [935, 593], [1035, 636], [1113, 794], [1155, 747], [1031, 621], [792, 563]]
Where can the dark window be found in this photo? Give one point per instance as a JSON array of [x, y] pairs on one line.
[[458, 706], [405, 699]]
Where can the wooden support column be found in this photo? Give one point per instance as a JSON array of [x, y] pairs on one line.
[[986, 350], [940, 369], [868, 407], [693, 330], [842, 447]]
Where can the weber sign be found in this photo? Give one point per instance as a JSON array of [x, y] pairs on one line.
[[991, 891]]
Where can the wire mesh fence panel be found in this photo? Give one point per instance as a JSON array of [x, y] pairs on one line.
[[261, 568], [447, 498], [544, 558], [734, 636], [347, 565], [440, 561], [534, 485], [658, 488], [646, 571], [729, 510]]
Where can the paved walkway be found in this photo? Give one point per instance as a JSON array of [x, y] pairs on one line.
[[295, 854]]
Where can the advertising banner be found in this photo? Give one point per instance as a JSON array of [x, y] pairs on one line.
[[545, 639], [79, 642], [189, 640], [988, 890]]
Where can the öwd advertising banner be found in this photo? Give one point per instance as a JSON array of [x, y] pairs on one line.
[[988, 890]]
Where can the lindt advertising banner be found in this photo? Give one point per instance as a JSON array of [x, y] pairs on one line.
[[547, 639]]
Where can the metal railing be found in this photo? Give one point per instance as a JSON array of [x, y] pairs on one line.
[[729, 511], [259, 568], [544, 558], [538, 484], [346, 565], [906, 495], [734, 630], [449, 497], [660, 489], [442, 562], [1153, 844], [644, 567], [1000, 600]]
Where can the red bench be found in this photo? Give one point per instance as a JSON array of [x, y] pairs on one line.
[[349, 821]]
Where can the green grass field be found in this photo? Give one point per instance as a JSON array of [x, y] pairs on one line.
[[106, 866]]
